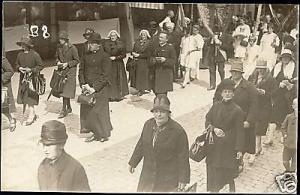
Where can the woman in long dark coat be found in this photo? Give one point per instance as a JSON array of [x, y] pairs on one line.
[[29, 63], [94, 77], [9, 106], [116, 49], [67, 59], [285, 74], [141, 54], [164, 147], [265, 85], [221, 158]]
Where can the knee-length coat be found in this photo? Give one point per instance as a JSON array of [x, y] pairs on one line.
[[118, 79], [245, 96], [142, 64], [7, 73], [163, 72], [94, 70], [66, 174], [167, 163], [33, 61], [264, 101], [69, 54], [221, 156]]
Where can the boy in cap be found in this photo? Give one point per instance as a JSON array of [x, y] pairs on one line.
[[59, 171]]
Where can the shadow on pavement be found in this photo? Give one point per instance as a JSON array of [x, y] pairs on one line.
[[72, 122], [53, 106], [139, 102], [201, 83]]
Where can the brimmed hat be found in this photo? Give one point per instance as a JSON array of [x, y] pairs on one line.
[[237, 65], [26, 41], [261, 64], [88, 31], [227, 84], [161, 102], [63, 35], [53, 133], [286, 53], [95, 38]]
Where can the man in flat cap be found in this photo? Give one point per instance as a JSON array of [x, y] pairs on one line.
[[59, 171]]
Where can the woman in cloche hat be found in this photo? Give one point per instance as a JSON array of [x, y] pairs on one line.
[[67, 174], [225, 119], [67, 60], [285, 74], [29, 64], [164, 147]]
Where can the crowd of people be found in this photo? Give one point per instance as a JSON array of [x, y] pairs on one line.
[[259, 97]]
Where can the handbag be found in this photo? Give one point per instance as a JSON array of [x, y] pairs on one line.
[[58, 80], [40, 84], [87, 99], [198, 149]]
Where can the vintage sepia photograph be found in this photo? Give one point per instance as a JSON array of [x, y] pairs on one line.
[[128, 97]]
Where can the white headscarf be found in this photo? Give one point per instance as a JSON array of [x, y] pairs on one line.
[[145, 31], [113, 31]]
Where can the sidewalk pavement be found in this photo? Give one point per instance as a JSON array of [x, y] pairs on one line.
[[106, 163]]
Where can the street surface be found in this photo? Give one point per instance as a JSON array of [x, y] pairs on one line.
[[106, 163]]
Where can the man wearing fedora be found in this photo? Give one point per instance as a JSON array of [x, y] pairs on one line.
[[266, 86], [59, 171], [93, 77], [67, 60], [245, 96], [29, 64], [164, 147]]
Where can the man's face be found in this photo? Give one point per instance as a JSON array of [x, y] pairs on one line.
[[195, 31], [169, 28], [52, 152], [171, 14], [285, 59], [236, 75], [261, 71], [162, 38], [161, 116], [62, 41], [94, 46], [227, 94], [270, 29]]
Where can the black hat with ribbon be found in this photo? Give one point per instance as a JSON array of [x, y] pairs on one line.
[[227, 84], [53, 133], [161, 102]]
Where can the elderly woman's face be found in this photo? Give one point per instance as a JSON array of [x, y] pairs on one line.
[[161, 116], [143, 35], [169, 28], [52, 152], [113, 36], [227, 94]]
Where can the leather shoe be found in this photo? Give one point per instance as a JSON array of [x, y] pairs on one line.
[[91, 139], [211, 88], [103, 139], [63, 114], [84, 130], [31, 121]]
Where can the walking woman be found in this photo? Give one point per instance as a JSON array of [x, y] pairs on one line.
[[225, 119], [118, 79], [67, 59], [265, 85], [285, 74], [141, 54], [9, 106], [94, 78], [164, 148], [29, 63]]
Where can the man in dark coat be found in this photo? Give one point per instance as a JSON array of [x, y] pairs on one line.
[[164, 146], [67, 59], [59, 171], [245, 96], [94, 71], [86, 45], [163, 59], [225, 117], [154, 43]]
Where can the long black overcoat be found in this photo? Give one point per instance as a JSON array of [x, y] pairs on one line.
[[167, 163]]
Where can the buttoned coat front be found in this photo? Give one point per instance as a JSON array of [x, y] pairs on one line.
[[69, 54], [163, 72], [167, 163], [245, 96]]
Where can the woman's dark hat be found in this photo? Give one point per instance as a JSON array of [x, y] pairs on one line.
[[26, 41], [227, 84], [88, 32], [53, 133], [161, 102]]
